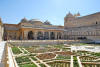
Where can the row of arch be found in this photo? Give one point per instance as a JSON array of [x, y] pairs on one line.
[[44, 36], [84, 33]]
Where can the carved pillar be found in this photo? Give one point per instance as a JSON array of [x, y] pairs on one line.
[[25, 35], [35, 35], [62, 35], [22, 35], [49, 36], [43, 35], [55, 35]]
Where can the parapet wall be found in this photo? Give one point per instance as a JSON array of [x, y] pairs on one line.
[[39, 42]]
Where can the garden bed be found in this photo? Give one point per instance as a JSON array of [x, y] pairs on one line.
[[75, 61], [62, 57], [27, 65], [46, 56], [16, 50]]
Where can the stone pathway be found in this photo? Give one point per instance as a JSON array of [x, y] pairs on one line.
[[2, 46], [71, 62], [42, 62], [12, 62], [25, 50], [79, 62], [21, 50], [34, 62]]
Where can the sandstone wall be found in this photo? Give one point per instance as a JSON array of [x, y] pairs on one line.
[[1, 33], [40, 42], [88, 20]]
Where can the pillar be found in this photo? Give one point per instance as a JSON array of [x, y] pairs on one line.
[[62, 35], [22, 35], [43, 34], [49, 35], [55, 35], [35, 35], [25, 35]]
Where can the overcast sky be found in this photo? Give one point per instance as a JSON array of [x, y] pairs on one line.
[[12, 11]]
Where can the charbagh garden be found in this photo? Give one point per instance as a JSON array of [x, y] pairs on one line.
[[56, 55]]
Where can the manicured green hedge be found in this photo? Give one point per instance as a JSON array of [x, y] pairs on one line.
[[75, 61], [25, 52], [61, 57], [34, 58], [96, 54], [22, 59], [27, 65], [42, 65], [16, 50]]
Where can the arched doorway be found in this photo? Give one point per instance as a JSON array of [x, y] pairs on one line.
[[46, 35], [5, 36], [40, 36], [82, 38], [59, 35], [30, 35], [52, 35]]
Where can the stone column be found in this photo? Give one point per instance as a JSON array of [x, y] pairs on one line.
[[43, 34], [55, 35], [35, 35], [25, 35], [49, 35], [22, 35], [62, 35]]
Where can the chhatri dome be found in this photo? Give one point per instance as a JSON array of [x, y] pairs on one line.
[[78, 14], [47, 22], [35, 20], [69, 15], [24, 20]]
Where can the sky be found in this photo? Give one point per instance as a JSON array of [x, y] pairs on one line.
[[12, 11]]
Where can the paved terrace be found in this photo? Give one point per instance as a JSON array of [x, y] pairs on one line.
[[2, 46]]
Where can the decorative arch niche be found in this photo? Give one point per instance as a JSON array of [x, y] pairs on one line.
[[40, 35], [30, 35], [52, 35]]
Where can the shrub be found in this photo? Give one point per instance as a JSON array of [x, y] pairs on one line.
[[16, 50], [22, 59], [27, 65], [42, 65]]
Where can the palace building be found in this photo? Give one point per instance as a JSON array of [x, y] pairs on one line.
[[85, 27], [75, 27], [33, 30]]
